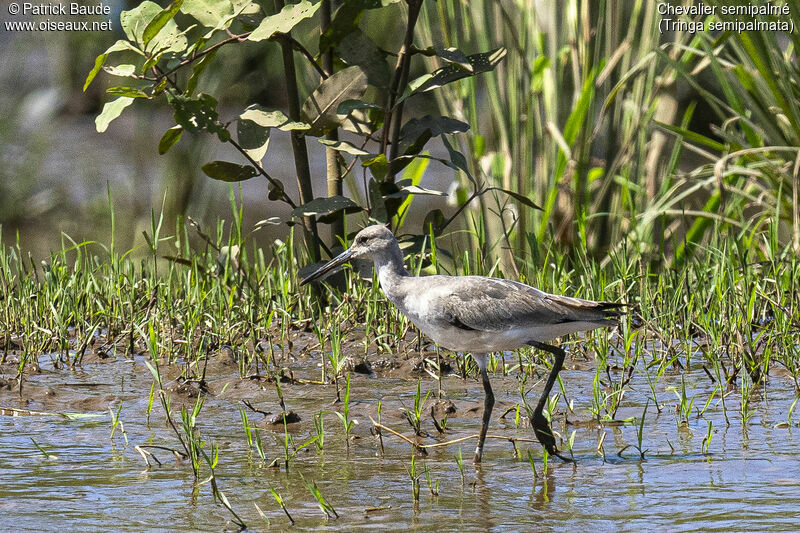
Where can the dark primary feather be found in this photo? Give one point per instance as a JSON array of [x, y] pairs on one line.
[[451, 317], [490, 304]]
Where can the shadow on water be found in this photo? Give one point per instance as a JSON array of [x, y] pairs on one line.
[[62, 473]]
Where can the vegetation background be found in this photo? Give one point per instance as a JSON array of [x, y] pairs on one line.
[[582, 146], [558, 142]]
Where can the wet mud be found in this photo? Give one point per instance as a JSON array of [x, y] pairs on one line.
[[704, 472]]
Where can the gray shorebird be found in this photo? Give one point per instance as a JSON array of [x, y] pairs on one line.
[[478, 315]]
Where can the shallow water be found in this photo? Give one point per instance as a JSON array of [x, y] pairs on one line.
[[747, 480]]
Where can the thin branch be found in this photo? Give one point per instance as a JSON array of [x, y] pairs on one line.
[[160, 75], [333, 172], [401, 72], [275, 183], [199, 55], [263, 172], [303, 50], [299, 148]]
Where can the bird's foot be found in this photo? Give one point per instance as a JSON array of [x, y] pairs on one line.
[[541, 428]]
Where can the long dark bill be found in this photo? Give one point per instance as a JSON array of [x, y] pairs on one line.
[[334, 263]]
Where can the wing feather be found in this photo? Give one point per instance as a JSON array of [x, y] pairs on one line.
[[491, 304]]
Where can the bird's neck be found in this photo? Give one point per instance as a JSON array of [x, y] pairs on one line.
[[391, 270]]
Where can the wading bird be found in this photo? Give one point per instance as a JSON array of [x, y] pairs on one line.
[[478, 315]]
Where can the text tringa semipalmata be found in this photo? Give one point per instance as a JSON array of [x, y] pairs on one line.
[[478, 315]]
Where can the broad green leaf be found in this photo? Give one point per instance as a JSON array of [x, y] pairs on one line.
[[132, 92], [348, 106], [227, 171], [344, 146], [98, 64], [362, 117], [346, 19], [320, 109], [457, 159], [415, 189], [324, 206], [410, 151], [197, 71], [253, 137], [151, 62], [416, 127], [168, 39], [118, 46], [160, 20], [160, 87], [276, 190], [198, 114], [122, 71], [358, 49], [480, 63], [524, 200], [247, 6], [243, 10], [223, 24], [363, 122], [449, 55], [378, 165], [209, 13], [455, 57], [415, 84], [284, 21], [253, 129], [418, 131], [434, 221], [135, 21], [111, 111], [168, 140], [271, 119]]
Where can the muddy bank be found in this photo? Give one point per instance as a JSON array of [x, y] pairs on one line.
[[701, 452]]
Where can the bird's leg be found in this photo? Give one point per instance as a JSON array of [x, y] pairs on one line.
[[488, 404], [541, 426]]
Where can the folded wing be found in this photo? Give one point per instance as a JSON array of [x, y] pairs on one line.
[[490, 304]]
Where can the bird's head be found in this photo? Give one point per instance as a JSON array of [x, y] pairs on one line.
[[372, 242]]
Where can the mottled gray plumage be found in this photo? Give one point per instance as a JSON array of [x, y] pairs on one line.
[[493, 314], [477, 314]]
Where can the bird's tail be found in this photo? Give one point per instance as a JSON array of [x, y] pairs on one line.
[[604, 313]]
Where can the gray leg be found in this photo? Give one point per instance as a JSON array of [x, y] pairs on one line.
[[541, 427], [488, 404]]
